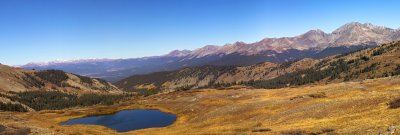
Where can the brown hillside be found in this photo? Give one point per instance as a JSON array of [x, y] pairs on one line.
[[204, 76], [18, 80]]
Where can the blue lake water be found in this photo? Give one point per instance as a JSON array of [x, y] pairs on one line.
[[128, 120]]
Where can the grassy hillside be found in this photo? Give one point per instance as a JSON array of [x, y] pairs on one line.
[[161, 80], [371, 63], [55, 100], [30, 90], [17, 80], [210, 76], [350, 108]]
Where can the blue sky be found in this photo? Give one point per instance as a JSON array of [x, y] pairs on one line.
[[46, 30]]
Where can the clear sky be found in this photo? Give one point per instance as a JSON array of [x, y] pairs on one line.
[[46, 30]]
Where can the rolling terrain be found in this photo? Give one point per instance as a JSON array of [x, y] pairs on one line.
[[349, 108], [30, 90], [208, 76], [352, 93], [17, 80], [199, 67], [382, 61], [344, 82]]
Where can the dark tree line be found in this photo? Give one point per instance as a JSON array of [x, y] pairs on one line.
[[58, 77], [90, 81], [372, 67], [12, 107], [146, 92], [33, 81], [302, 77], [85, 79], [295, 78], [54, 100], [185, 87], [54, 76]]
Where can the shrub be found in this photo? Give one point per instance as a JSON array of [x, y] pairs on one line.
[[293, 132], [184, 88], [370, 68], [317, 95], [397, 70], [303, 76], [394, 104], [351, 61], [261, 130], [378, 52], [365, 58], [327, 130], [22, 131], [2, 128]]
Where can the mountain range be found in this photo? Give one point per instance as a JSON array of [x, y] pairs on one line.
[[382, 61], [312, 44]]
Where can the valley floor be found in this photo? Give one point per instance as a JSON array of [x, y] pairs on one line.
[[342, 108]]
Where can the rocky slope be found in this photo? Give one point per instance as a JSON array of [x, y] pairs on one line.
[[313, 44], [348, 35]]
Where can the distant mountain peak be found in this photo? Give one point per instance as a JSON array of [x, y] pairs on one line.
[[179, 53], [354, 33], [55, 62], [358, 24], [348, 27], [316, 31], [357, 27], [355, 24], [314, 34]]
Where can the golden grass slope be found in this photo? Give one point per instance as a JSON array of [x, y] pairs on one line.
[[343, 108], [18, 80]]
